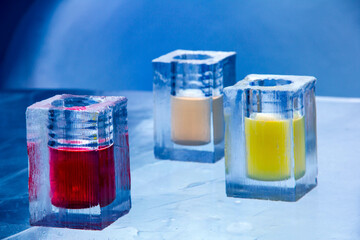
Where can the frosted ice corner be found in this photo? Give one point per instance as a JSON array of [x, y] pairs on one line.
[[79, 165], [270, 137], [188, 104]]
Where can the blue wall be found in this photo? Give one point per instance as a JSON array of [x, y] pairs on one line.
[[110, 44]]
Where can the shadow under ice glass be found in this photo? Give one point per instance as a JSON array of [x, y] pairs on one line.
[[189, 119], [270, 146], [79, 158]]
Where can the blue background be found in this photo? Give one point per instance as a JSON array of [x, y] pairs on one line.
[[109, 45]]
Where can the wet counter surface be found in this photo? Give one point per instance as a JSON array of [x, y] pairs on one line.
[[184, 200]]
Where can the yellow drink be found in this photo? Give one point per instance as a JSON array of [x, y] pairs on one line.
[[268, 147]]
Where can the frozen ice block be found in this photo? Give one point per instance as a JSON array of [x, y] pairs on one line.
[[79, 168], [270, 139], [188, 104]]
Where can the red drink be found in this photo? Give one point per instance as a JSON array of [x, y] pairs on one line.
[[82, 178]]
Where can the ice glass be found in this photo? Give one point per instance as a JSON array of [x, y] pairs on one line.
[[270, 137], [188, 104], [79, 169]]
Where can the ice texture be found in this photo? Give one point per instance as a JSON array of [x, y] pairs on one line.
[[270, 145], [79, 167], [187, 200], [188, 104]]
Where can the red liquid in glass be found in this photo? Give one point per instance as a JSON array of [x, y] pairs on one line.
[[82, 178]]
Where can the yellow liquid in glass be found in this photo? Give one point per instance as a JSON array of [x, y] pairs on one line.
[[268, 147]]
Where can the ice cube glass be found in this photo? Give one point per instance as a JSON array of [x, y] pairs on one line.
[[188, 104], [270, 137], [79, 169]]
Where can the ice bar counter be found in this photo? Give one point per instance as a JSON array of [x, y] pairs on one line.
[[270, 146], [188, 104], [79, 169]]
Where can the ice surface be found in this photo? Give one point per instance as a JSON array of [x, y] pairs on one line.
[[196, 57], [188, 104], [282, 82], [187, 200]]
